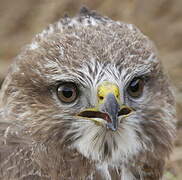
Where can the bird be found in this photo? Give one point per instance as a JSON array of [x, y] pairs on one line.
[[87, 99]]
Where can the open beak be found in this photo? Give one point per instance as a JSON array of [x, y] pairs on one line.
[[108, 109]]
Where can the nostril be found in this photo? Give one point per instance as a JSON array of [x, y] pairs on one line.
[[124, 111], [101, 97]]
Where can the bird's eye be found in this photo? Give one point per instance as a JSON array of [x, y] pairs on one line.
[[135, 88], [67, 92]]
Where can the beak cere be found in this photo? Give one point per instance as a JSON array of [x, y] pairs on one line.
[[108, 108]]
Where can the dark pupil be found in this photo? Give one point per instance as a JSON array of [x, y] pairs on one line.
[[134, 86], [67, 92]]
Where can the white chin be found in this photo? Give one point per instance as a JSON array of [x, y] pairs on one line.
[[93, 138]]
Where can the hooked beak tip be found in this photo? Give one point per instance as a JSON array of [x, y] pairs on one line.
[[111, 127]]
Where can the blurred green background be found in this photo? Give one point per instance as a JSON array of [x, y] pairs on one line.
[[161, 20]]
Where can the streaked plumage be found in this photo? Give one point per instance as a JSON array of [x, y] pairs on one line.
[[43, 138]]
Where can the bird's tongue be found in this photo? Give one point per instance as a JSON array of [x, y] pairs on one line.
[[96, 114]]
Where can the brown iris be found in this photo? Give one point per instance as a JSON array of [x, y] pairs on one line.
[[135, 88], [67, 92]]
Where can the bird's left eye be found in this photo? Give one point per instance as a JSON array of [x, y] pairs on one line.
[[67, 92], [135, 88]]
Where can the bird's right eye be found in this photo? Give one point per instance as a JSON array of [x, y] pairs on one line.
[[67, 92]]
